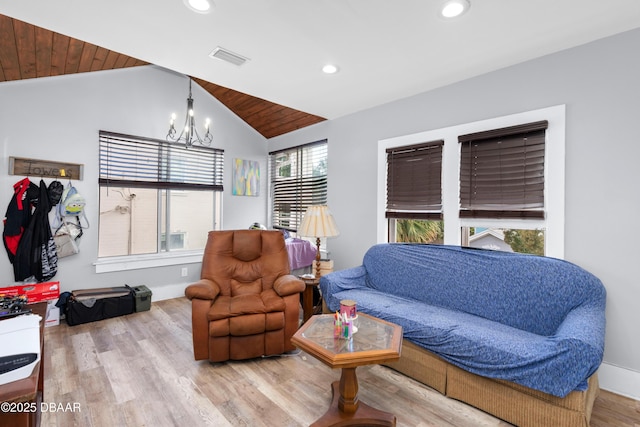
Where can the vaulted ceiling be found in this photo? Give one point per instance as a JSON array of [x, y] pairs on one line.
[[28, 51], [384, 50]]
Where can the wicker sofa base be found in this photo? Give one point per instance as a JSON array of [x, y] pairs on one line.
[[508, 401]]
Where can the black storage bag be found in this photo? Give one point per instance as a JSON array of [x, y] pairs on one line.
[[90, 305]]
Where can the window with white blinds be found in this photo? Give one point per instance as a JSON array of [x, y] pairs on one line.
[[140, 162], [298, 179], [414, 181]]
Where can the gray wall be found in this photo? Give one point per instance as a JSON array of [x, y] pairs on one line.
[[599, 84], [58, 118]]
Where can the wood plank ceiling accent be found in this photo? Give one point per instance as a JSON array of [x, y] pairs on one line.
[[268, 118], [28, 51]]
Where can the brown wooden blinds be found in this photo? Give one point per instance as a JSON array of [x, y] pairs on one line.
[[502, 172], [414, 183]]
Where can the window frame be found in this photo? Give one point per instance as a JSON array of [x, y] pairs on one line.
[[554, 194], [413, 164]]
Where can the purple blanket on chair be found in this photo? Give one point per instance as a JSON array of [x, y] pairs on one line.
[[302, 253]]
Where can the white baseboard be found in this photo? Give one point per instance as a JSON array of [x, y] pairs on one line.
[[160, 293], [619, 380]]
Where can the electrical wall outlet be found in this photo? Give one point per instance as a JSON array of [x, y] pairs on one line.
[[184, 272]]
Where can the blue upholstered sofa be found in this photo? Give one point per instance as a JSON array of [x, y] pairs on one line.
[[500, 324]]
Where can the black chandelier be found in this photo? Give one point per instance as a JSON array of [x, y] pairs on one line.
[[189, 134]]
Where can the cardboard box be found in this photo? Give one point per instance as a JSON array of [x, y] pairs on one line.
[[35, 292]]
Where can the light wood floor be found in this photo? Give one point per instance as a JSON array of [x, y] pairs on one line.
[[138, 370]]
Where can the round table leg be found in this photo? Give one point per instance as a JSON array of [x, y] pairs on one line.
[[348, 402]]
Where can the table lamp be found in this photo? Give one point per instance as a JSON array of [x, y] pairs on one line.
[[318, 222]]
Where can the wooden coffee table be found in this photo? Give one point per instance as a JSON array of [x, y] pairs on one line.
[[376, 341]]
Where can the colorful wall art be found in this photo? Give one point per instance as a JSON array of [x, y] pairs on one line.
[[246, 177]]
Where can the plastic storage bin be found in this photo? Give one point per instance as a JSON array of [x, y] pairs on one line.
[[142, 296]]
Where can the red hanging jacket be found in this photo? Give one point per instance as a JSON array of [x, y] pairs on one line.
[[18, 216]]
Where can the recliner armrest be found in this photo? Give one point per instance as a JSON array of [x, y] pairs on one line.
[[288, 285], [202, 289]]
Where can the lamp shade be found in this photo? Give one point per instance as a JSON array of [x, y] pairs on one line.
[[318, 222]]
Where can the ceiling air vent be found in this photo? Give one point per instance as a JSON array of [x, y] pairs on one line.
[[228, 56]]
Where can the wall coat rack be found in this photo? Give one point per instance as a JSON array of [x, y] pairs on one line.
[[45, 168]]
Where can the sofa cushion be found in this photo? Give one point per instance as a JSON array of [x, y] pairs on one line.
[[527, 292]]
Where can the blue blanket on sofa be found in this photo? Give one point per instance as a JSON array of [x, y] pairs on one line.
[[536, 321]]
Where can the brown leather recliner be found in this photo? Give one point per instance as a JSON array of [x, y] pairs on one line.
[[246, 303]]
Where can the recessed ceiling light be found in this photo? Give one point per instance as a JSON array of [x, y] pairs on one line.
[[199, 6], [454, 8], [329, 69]]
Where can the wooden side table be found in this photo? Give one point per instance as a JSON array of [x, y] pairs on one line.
[[307, 296], [27, 391], [376, 341]]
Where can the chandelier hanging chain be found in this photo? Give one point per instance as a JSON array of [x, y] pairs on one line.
[[189, 134]]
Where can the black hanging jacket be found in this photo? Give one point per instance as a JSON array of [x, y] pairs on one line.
[[36, 254], [18, 215]]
